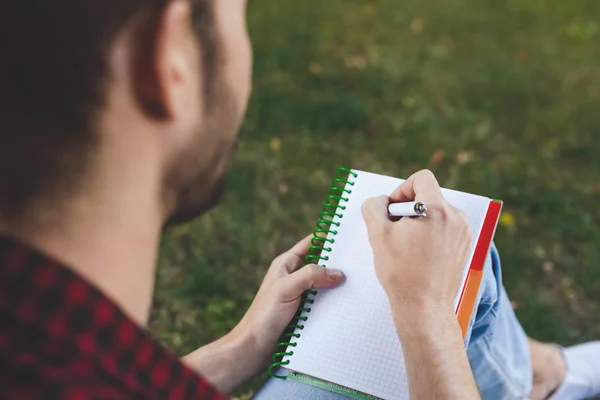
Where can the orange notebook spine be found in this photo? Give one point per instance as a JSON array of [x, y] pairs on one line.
[[468, 296]]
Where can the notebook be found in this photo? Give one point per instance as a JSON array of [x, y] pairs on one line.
[[344, 339]]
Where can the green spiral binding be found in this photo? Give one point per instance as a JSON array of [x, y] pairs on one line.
[[338, 194]]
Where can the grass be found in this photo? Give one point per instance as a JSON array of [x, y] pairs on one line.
[[499, 98]]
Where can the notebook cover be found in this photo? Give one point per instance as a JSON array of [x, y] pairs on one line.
[[475, 275]]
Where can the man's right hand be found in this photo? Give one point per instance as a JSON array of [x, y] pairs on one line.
[[419, 262]]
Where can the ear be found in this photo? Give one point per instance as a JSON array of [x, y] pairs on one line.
[[167, 62]]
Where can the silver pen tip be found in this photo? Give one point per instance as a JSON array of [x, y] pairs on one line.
[[420, 208]]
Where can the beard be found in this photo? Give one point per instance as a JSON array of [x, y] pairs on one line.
[[188, 209], [195, 181]]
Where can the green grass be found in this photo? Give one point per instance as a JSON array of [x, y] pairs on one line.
[[499, 98]]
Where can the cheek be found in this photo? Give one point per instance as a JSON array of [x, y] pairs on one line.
[[231, 19]]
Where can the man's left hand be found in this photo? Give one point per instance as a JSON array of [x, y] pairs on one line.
[[247, 349], [279, 296]]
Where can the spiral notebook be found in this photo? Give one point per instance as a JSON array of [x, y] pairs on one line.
[[344, 339]]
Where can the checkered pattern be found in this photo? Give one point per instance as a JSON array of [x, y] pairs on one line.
[[61, 338]]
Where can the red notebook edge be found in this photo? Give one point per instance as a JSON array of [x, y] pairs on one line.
[[468, 296]]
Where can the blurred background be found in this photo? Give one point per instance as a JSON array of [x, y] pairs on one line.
[[497, 97]]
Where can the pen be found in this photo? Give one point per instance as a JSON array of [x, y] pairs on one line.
[[412, 209]]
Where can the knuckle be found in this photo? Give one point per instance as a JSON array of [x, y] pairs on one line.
[[278, 291], [312, 272], [469, 232], [452, 212], [365, 206], [462, 222], [279, 260], [441, 209], [426, 173], [464, 218], [435, 206]]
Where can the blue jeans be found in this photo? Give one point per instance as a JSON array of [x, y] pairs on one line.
[[496, 345]]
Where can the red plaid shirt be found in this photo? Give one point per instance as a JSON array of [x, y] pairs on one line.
[[62, 338]]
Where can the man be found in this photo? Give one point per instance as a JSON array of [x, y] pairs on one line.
[[118, 116]]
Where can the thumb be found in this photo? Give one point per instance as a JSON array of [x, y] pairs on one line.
[[311, 276], [376, 215]]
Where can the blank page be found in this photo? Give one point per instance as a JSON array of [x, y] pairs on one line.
[[349, 337]]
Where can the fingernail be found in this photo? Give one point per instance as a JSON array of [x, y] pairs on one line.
[[335, 275]]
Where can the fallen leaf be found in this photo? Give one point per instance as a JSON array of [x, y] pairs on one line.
[[539, 252], [283, 188], [275, 144], [549, 147], [356, 62], [464, 157], [483, 128], [507, 220], [315, 68], [438, 157], [369, 9], [416, 25]]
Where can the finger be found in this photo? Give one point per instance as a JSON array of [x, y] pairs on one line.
[[300, 249], [289, 261], [376, 215], [421, 186], [309, 277]]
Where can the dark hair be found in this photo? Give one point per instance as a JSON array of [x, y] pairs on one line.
[[53, 75]]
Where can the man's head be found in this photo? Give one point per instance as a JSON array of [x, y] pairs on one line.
[[144, 92]]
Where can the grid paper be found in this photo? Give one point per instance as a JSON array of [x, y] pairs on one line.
[[350, 338]]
